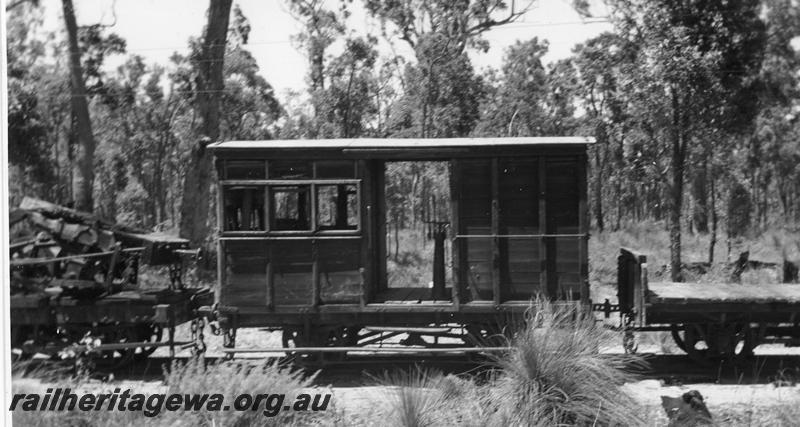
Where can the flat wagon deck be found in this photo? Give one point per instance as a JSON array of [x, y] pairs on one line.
[[724, 293]]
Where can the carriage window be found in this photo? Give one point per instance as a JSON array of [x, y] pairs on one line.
[[245, 169], [289, 169], [291, 209], [337, 207], [244, 208]]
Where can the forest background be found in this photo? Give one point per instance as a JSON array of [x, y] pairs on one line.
[[695, 107]]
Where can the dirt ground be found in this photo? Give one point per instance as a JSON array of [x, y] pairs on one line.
[[743, 404]]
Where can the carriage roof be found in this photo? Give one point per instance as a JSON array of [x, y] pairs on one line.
[[410, 144]]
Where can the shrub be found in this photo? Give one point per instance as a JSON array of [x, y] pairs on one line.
[[414, 398], [555, 374]]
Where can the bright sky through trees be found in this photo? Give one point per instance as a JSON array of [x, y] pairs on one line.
[[168, 26]]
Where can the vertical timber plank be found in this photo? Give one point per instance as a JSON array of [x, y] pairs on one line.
[[312, 200], [366, 222], [270, 300], [220, 226], [455, 243], [495, 231], [543, 223], [267, 202], [314, 274], [380, 238], [583, 227]]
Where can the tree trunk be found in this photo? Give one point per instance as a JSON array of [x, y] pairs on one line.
[[617, 195], [714, 222], [196, 185], [83, 180], [598, 178], [316, 53], [700, 197], [676, 194]]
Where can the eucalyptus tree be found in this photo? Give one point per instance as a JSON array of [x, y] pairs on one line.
[[209, 60], [601, 63], [696, 63], [442, 92], [83, 181]]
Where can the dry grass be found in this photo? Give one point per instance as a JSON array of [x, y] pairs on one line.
[[231, 379], [652, 239], [194, 377], [778, 415], [415, 398], [554, 375], [413, 265]]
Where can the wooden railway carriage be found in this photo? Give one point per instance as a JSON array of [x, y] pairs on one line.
[[303, 224]]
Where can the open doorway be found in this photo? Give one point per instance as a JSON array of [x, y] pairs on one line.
[[418, 254]]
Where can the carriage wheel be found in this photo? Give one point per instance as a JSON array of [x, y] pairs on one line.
[[324, 337], [341, 337], [296, 337], [147, 333], [485, 335]]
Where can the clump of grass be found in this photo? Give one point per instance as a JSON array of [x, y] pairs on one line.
[[554, 373], [415, 398], [782, 414], [466, 402], [232, 379]]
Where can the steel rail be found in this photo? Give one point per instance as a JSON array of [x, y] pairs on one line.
[[364, 350]]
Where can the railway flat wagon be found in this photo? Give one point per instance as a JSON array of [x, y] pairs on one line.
[[709, 321], [303, 236], [75, 287]]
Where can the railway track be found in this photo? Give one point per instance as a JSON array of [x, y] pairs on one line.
[[358, 370]]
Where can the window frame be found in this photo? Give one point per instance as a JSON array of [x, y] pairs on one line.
[[266, 186], [271, 214], [222, 221], [315, 209]]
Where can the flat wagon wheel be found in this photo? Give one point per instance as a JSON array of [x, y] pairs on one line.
[[293, 337], [113, 359], [707, 343], [19, 335], [677, 332], [147, 332]]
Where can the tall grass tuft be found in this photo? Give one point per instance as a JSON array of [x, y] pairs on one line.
[[555, 374], [232, 379], [414, 398]]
